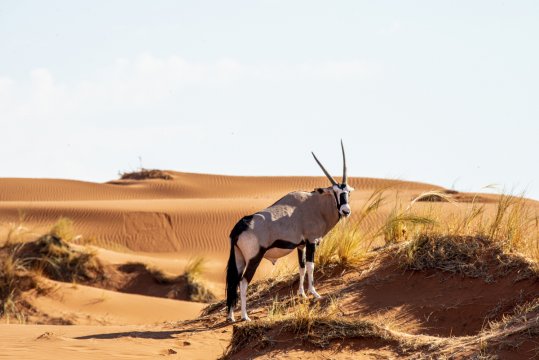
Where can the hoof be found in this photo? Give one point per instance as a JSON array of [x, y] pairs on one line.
[[247, 318], [302, 294], [230, 320]]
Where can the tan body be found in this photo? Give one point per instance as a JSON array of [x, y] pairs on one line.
[[299, 216]]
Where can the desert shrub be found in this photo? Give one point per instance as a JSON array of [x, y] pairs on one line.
[[144, 174], [58, 260], [196, 289], [63, 229], [472, 256], [14, 279], [347, 243]]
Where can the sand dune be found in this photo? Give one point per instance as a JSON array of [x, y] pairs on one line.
[[165, 224], [87, 305], [190, 213]]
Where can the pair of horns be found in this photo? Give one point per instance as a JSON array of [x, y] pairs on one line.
[[327, 173]]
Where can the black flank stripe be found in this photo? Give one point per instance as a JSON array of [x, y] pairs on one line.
[[283, 244]]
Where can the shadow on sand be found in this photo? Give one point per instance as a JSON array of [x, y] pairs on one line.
[[158, 335]]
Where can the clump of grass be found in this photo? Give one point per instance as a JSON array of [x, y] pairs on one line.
[[63, 229], [347, 243], [472, 256], [14, 279], [17, 232], [310, 324], [57, 259], [454, 254], [403, 224], [196, 288], [143, 174], [511, 222]]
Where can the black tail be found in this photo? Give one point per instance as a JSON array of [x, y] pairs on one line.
[[232, 280], [233, 277]]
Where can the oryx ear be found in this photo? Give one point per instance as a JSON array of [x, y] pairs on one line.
[[349, 188]]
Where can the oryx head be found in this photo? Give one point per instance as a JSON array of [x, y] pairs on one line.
[[340, 191]]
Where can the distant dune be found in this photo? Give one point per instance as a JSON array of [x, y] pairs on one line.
[[191, 212]]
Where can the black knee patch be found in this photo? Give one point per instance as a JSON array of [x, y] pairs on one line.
[[301, 258], [253, 264], [310, 251]]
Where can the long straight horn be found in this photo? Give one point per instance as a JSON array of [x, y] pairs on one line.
[[343, 164], [324, 170]]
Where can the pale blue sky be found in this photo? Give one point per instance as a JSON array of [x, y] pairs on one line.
[[441, 92]]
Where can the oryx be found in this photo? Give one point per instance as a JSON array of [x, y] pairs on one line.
[[298, 220]]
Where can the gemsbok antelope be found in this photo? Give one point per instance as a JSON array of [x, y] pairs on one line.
[[298, 220]]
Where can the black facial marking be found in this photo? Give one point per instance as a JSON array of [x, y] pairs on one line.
[[309, 256], [301, 258], [343, 199]]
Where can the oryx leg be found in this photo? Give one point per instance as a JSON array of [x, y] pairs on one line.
[[301, 260], [309, 256], [250, 269], [240, 266]]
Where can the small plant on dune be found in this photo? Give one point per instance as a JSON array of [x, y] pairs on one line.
[[63, 229], [58, 260], [512, 222], [455, 254], [196, 288], [347, 243], [17, 232], [402, 225], [14, 279], [472, 218], [472, 256], [143, 174]]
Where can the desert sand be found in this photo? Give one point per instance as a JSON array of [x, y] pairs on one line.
[[166, 223]]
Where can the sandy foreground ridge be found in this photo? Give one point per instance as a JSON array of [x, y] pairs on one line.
[[135, 269]]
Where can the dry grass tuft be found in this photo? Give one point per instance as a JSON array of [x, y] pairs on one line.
[[347, 243], [144, 174], [318, 331], [196, 288], [14, 280], [404, 224], [472, 256], [57, 259], [63, 229], [313, 325]]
